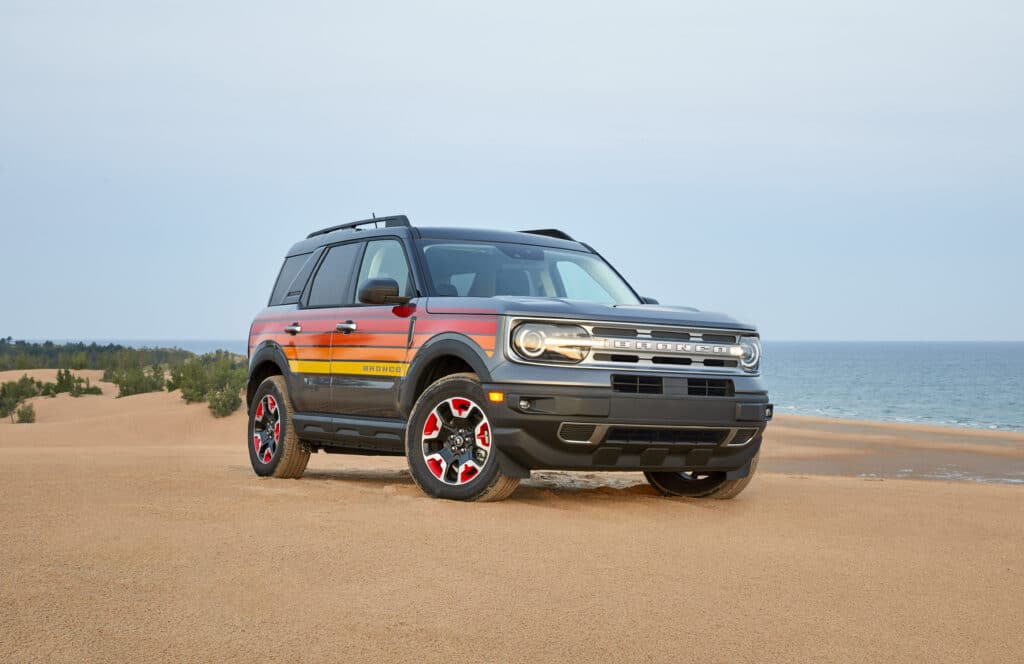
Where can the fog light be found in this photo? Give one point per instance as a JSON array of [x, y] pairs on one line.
[[524, 404]]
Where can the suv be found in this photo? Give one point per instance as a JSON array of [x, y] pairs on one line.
[[480, 355]]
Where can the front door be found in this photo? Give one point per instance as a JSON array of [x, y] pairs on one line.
[[370, 343]]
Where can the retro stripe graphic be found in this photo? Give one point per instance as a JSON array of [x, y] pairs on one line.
[[380, 347]]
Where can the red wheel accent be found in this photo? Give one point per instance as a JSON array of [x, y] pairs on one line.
[[271, 403], [259, 411], [468, 472], [277, 431], [432, 426], [435, 466], [266, 457], [256, 443], [460, 406], [483, 434]]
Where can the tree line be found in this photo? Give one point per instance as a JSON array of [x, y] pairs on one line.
[[216, 378]]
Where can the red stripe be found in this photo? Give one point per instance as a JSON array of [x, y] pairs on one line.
[[434, 309], [464, 326]]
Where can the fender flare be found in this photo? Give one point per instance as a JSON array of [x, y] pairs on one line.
[[446, 343], [268, 351]]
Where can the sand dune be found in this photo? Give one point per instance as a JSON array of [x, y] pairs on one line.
[[132, 529]]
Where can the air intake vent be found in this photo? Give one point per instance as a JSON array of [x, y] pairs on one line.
[[629, 384], [576, 433], [656, 436], [710, 387]]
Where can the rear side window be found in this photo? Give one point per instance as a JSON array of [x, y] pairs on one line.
[[289, 270], [332, 283]]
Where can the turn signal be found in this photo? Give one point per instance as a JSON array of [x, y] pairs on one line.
[[496, 397]]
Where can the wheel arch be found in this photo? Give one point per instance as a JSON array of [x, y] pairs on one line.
[[444, 355], [267, 360]]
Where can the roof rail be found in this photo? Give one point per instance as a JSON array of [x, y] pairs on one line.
[[551, 232], [389, 222]]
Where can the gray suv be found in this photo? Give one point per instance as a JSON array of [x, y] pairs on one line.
[[481, 355]]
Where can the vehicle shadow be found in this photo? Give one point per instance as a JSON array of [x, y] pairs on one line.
[[541, 483]]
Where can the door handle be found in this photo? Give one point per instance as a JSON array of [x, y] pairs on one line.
[[347, 327], [294, 328]]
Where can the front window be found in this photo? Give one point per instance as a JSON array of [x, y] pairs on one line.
[[488, 269], [384, 259]]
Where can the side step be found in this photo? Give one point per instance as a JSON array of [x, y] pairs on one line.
[[352, 435]]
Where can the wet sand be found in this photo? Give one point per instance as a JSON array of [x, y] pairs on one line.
[[133, 529]]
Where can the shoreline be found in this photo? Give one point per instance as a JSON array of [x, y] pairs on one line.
[[885, 450], [936, 429], [925, 425], [793, 444]]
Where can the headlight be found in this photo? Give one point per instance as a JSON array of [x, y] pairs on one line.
[[751, 358], [569, 344]]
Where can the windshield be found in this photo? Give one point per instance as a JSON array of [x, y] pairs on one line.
[[486, 269]]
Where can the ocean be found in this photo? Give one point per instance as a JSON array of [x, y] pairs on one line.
[[979, 385]]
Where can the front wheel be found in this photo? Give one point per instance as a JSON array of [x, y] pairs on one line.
[[700, 485], [450, 445]]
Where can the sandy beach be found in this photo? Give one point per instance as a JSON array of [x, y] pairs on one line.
[[134, 530]]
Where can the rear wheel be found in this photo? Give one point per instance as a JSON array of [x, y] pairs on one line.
[[449, 443], [700, 484], [274, 447]]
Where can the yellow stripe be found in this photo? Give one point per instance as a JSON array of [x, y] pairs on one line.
[[356, 368], [369, 368], [306, 366]]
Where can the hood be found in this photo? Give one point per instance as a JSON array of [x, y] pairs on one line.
[[548, 307]]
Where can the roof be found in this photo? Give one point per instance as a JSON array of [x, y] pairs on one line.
[[319, 239]]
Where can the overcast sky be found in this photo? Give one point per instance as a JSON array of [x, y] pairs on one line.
[[827, 170]]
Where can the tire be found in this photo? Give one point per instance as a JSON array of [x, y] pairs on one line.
[[701, 485], [274, 447], [449, 445]]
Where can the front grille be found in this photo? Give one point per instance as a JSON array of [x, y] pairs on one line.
[[711, 362], [710, 387], [679, 361], [636, 384], [660, 348], [667, 436]]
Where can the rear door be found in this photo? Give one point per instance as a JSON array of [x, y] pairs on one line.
[[329, 292], [369, 346]]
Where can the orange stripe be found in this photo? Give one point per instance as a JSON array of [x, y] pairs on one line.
[[314, 353], [369, 354]]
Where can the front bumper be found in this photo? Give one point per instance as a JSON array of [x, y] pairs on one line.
[[574, 427]]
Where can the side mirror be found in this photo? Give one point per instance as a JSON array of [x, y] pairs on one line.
[[648, 300], [381, 291]]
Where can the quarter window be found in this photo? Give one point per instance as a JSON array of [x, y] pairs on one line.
[[289, 271]]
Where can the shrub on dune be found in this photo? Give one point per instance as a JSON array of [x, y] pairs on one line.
[[217, 378], [137, 380], [13, 392], [26, 414]]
